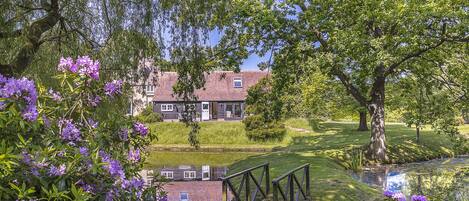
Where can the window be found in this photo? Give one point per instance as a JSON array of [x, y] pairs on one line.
[[150, 89], [189, 174], [166, 107], [183, 196], [238, 82], [167, 174]]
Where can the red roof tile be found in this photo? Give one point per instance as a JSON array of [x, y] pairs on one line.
[[219, 86]]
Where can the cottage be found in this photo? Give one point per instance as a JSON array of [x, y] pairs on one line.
[[222, 98]]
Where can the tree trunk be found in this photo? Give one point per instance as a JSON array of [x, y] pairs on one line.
[[418, 134], [362, 126], [377, 147]]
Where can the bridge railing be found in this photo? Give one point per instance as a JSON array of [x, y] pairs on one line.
[[244, 192], [293, 189]]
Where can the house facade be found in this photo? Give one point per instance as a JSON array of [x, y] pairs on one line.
[[222, 98]]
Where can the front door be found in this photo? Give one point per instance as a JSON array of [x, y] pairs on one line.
[[205, 111]]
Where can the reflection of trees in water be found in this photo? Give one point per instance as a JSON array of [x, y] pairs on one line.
[[440, 184]]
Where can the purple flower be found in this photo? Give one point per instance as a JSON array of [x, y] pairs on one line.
[[113, 88], [35, 171], [137, 183], [61, 153], [399, 196], [57, 171], [69, 131], [92, 123], [88, 67], [134, 156], [124, 134], [418, 198], [140, 128], [388, 193], [94, 100], [55, 95], [30, 113], [67, 64], [84, 151], [84, 65], [26, 157], [20, 89], [110, 195], [115, 169]]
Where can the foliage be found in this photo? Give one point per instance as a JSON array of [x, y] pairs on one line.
[[363, 44], [259, 130], [149, 116], [62, 150], [263, 114], [353, 159]]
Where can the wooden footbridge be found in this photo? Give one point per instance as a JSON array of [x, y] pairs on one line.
[[254, 184]]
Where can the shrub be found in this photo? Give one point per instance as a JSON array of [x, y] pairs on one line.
[[257, 129], [149, 116], [54, 146]]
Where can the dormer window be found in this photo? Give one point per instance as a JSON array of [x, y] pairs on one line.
[[149, 89], [238, 82]]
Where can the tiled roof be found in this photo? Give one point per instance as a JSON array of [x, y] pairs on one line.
[[218, 87]]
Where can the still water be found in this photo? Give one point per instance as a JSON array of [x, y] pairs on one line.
[[441, 179]]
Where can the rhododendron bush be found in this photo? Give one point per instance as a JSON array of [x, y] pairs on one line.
[[53, 144]]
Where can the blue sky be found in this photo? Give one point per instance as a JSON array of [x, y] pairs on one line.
[[250, 63]]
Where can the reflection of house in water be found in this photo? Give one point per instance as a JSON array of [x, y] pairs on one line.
[[189, 183]]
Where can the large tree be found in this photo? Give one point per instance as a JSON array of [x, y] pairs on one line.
[[356, 42]]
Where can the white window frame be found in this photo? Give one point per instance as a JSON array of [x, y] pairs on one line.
[[167, 107], [167, 174], [238, 79], [149, 89], [180, 196], [190, 176]]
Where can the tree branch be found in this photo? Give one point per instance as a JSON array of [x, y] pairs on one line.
[[33, 34], [391, 69], [344, 78]]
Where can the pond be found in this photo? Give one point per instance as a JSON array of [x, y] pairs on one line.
[[440, 179]]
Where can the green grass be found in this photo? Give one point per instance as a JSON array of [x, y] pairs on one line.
[[229, 134], [317, 144]]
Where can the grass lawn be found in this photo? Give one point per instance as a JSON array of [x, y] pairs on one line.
[[317, 145], [229, 134]]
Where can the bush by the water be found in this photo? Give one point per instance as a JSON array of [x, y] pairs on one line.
[[257, 129], [149, 116]]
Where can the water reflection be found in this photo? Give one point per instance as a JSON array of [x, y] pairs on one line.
[[188, 182], [443, 179]]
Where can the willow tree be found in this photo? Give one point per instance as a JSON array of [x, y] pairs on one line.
[[356, 42]]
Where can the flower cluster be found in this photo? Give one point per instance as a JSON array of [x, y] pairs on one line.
[[418, 198], [134, 156], [69, 131], [20, 90], [140, 128], [84, 65], [398, 196], [113, 166], [57, 171], [112, 88]]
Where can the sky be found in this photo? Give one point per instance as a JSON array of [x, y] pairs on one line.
[[250, 63]]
